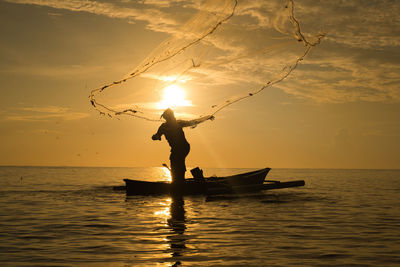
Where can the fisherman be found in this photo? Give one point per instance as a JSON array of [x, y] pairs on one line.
[[173, 132]]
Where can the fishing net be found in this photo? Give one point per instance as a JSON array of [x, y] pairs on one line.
[[228, 51]]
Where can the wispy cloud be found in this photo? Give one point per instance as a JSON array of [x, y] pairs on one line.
[[55, 71], [46, 109], [347, 77], [357, 61], [43, 113], [157, 19], [354, 23], [372, 24]]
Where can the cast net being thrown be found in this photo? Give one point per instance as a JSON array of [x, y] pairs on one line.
[[229, 50]]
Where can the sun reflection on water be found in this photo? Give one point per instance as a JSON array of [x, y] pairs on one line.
[[164, 212], [171, 211]]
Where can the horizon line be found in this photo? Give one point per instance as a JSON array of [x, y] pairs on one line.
[[207, 167]]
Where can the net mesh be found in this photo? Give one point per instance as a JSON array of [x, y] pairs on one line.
[[227, 52]]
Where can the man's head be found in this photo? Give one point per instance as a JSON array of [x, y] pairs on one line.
[[168, 115]]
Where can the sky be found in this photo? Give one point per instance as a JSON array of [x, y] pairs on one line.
[[339, 108]]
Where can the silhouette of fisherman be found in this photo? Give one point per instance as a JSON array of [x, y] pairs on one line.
[[173, 132]]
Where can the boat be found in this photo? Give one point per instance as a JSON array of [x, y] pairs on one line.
[[239, 183]]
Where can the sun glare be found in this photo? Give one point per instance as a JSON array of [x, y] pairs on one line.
[[173, 96], [166, 174]]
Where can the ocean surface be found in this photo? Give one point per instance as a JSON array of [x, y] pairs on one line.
[[66, 216]]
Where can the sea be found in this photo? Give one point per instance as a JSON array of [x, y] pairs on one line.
[[74, 216]]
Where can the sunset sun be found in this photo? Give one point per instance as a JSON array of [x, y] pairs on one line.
[[173, 96]]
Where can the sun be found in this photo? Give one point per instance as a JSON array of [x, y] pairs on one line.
[[173, 96]]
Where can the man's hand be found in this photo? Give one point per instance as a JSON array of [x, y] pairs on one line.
[[156, 137]]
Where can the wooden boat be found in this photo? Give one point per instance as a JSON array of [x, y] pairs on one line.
[[245, 182]]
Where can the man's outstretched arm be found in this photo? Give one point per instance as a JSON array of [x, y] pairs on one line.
[[193, 123]]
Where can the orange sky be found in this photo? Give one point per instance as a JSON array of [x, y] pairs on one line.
[[339, 108]]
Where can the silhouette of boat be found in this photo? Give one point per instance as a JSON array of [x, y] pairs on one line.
[[239, 183]]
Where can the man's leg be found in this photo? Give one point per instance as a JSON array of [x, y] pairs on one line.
[[177, 169]]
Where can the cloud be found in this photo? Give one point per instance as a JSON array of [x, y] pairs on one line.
[[345, 76], [358, 59], [361, 24], [46, 109], [157, 19], [355, 23], [44, 113], [59, 71]]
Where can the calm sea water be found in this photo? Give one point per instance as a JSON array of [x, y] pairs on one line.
[[72, 216]]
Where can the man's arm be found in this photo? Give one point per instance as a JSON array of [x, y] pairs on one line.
[[159, 133], [193, 123]]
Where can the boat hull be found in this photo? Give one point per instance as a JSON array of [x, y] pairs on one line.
[[195, 186]]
